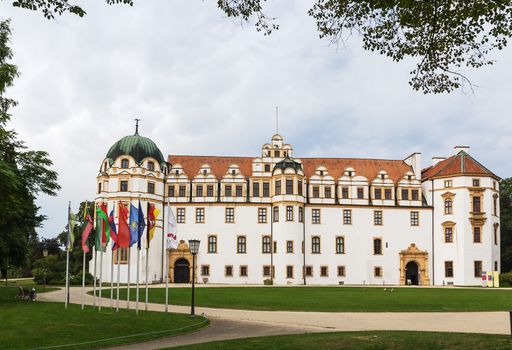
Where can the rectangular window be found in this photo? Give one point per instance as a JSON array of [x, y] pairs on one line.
[[276, 214], [182, 191], [256, 189], [477, 204], [170, 191], [243, 271], [289, 271], [448, 269], [289, 247], [228, 191], [99, 187], [228, 270], [328, 192], [347, 216], [199, 215], [267, 167], [230, 215], [495, 234], [448, 206], [180, 215], [205, 270], [377, 271], [405, 194], [209, 191], [151, 187], [324, 271], [275, 247], [212, 244], [495, 206], [478, 268], [340, 245], [448, 234], [360, 193], [309, 271], [378, 193], [289, 213], [387, 194], [415, 218], [301, 214], [477, 234], [266, 189], [315, 245], [415, 195], [377, 246], [289, 186], [266, 271], [316, 192], [278, 187], [199, 190], [122, 255], [341, 271], [262, 215], [241, 245], [123, 187], [377, 217], [265, 245], [299, 187], [448, 183], [315, 216], [344, 192], [476, 182], [239, 191]]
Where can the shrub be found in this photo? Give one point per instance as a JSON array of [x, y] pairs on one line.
[[268, 282], [506, 279]]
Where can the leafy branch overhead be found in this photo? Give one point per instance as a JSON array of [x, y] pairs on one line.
[[443, 37]]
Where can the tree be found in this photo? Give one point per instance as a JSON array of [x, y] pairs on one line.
[[24, 174], [506, 224]]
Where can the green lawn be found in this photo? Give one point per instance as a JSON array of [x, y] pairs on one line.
[[365, 341], [27, 324], [341, 299]]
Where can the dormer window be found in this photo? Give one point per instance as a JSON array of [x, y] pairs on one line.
[[177, 172], [233, 172], [151, 166], [276, 154], [205, 172], [409, 177], [267, 168], [124, 163], [382, 176], [476, 182], [321, 173]]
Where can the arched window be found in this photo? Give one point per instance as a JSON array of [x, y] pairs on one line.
[[340, 245], [448, 206], [151, 166], [315, 245], [124, 163], [377, 246]]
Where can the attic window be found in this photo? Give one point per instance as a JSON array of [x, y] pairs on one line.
[[476, 182], [351, 173], [205, 172], [276, 154], [409, 177], [177, 172], [267, 168], [233, 172], [105, 169], [321, 173], [151, 166], [124, 163], [382, 176]]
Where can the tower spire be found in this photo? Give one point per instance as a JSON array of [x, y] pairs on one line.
[[137, 120]]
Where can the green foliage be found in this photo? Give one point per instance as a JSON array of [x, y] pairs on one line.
[[50, 8], [24, 173], [506, 279], [268, 282], [506, 224]]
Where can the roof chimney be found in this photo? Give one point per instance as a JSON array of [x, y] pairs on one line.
[[461, 148], [436, 160]]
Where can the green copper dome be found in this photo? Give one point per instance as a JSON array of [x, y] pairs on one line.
[[287, 163], [137, 146]]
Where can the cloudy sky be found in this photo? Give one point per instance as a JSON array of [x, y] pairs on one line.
[[205, 85]]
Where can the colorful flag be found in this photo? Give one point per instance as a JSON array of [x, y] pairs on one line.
[[134, 224], [113, 231], [105, 227], [86, 233], [71, 228], [152, 215], [123, 236], [141, 227], [101, 226], [172, 230]]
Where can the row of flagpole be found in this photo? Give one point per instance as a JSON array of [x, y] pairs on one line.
[[125, 235]]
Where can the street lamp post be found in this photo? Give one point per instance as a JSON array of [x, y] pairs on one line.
[[194, 249], [45, 254]]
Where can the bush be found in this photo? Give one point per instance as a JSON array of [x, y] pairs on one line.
[[268, 282], [506, 279]]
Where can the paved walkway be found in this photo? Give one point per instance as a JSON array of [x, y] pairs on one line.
[[231, 324]]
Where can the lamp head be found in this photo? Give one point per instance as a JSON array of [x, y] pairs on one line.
[[194, 246]]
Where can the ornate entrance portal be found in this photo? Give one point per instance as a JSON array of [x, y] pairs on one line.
[[414, 266], [180, 264], [181, 271]]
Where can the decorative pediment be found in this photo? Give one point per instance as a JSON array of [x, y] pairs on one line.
[[413, 250], [448, 224], [448, 195]]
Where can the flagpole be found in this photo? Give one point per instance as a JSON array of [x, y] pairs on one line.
[[117, 302], [83, 280], [137, 290], [67, 256], [128, 291], [147, 259], [101, 277], [112, 278], [94, 284], [166, 280]]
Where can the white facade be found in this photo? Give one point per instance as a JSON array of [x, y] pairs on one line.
[[339, 220]]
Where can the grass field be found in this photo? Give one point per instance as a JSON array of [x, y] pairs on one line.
[[27, 324], [365, 341], [336, 299]]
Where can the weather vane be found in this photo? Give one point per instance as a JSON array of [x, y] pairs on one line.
[[137, 120]]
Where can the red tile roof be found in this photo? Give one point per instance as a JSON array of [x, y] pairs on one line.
[[461, 163], [368, 168]]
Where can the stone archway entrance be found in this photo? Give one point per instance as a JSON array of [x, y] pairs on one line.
[[180, 259], [414, 264], [411, 273], [181, 271]]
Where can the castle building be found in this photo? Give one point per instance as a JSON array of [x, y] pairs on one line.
[[298, 220]]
